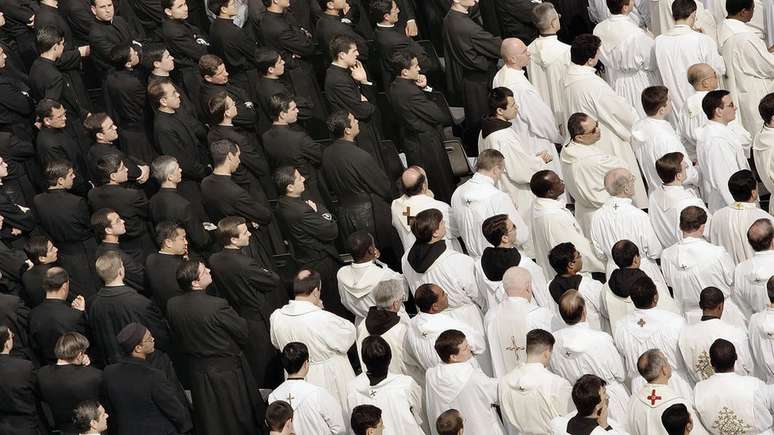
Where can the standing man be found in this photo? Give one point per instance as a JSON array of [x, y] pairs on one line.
[[160, 267], [233, 44], [752, 275], [763, 145]]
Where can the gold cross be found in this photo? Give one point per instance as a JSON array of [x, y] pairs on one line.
[[515, 347], [641, 322], [290, 399]]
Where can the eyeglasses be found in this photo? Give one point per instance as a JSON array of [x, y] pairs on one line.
[[594, 130]]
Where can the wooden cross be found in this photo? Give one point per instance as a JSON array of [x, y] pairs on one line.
[[407, 213], [515, 347], [641, 322], [653, 398], [290, 399]]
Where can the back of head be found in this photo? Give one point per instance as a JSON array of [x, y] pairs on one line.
[[669, 165], [711, 298], [712, 101], [228, 228], [489, 159], [279, 103], [400, 60], [742, 184], [617, 181], [70, 345], [542, 15], [583, 48], [654, 98], [109, 265], [498, 99], [163, 167], [770, 289], [643, 293], [517, 281], [54, 279], [360, 244], [450, 421], [541, 183], [616, 6], [376, 354], [47, 37], [100, 222], [692, 218], [306, 281], [93, 124], [698, 72], [46, 107], [539, 341], [586, 394], [209, 64], [338, 122], [722, 356], [651, 363], [766, 108], [83, 414], [187, 273], [220, 149], [560, 257], [265, 58], [340, 44], [380, 8], [676, 419], [277, 415], [217, 106], [413, 180], [386, 295], [624, 252], [36, 247], [494, 228], [108, 164], [166, 231], [448, 344], [425, 223], [682, 9], [425, 297], [571, 306], [293, 357], [575, 124], [283, 177], [120, 56], [733, 7], [365, 417]]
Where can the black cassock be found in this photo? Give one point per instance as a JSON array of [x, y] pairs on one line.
[[422, 122], [390, 40], [16, 105], [48, 321], [290, 145], [60, 144], [104, 36], [99, 150], [125, 101], [237, 49], [160, 282], [330, 26], [471, 55], [168, 205], [66, 219], [115, 307], [186, 43], [17, 15], [23, 167], [267, 88], [573, 19], [32, 292], [18, 410], [134, 273], [64, 387], [253, 173], [148, 14], [211, 335], [254, 292], [246, 115], [15, 315], [132, 206], [79, 17], [15, 217], [516, 20]]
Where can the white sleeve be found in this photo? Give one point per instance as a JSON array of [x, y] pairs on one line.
[[331, 412]]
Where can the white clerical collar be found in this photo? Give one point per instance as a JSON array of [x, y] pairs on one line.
[[484, 178], [739, 205], [678, 187], [691, 239], [581, 325], [386, 26], [365, 265], [766, 253], [615, 200], [549, 203]]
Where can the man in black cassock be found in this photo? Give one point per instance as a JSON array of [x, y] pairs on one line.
[[287, 144], [211, 336], [108, 228], [216, 78], [160, 267], [223, 197], [19, 20], [312, 231], [18, 409], [422, 123], [102, 132], [233, 44], [79, 17], [65, 218], [56, 141], [185, 42], [22, 161], [331, 25], [255, 292], [16, 104], [163, 64], [131, 204], [17, 221], [117, 305], [168, 205], [43, 255], [272, 81], [107, 31], [55, 316], [139, 397], [471, 55]]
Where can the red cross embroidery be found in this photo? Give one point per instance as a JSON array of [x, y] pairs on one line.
[[653, 398]]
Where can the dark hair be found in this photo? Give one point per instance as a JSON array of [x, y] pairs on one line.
[[338, 122], [265, 58], [540, 183], [654, 98], [156, 91], [498, 99], [733, 7], [571, 305], [47, 37], [710, 298], [643, 292], [560, 257], [623, 253], [36, 247], [380, 8], [741, 184], [293, 356], [675, 419], [84, 414], [56, 169], [722, 356], [360, 243], [692, 218], [713, 100], [45, 108], [108, 164], [365, 417], [770, 288], [766, 107], [585, 394], [583, 48], [120, 55], [449, 422], [494, 228], [574, 124], [279, 103], [220, 149], [167, 4], [669, 165], [305, 285], [376, 354], [166, 230], [93, 124], [99, 222], [216, 105], [425, 223], [682, 9], [54, 279], [209, 64], [215, 5], [228, 228], [616, 6], [277, 414], [425, 297], [448, 344], [400, 60], [538, 340], [340, 44], [283, 177], [154, 54], [187, 272]]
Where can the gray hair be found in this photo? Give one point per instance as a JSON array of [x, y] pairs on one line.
[[161, 168], [542, 15], [650, 363], [387, 292], [617, 181]]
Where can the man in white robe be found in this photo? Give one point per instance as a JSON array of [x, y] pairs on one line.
[[508, 323], [718, 150], [553, 223], [654, 136], [327, 335], [729, 403], [357, 281], [649, 402], [693, 264], [648, 327], [535, 123], [752, 275], [750, 66], [580, 349], [585, 164], [520, 159], [387, 319], [424, 328], [548, 62], [627, 53], [756, 19], [459, 384], [691, 116], [671, 198], [591, 418], [588, 93], [479, 198], [696, 339], [315, 410], [731, 223], [618, 219], [762, 338], [398, 396], [417, 198], [530, 395], [680, 47], [763, 145]]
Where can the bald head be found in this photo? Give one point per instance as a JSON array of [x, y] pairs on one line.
[[517, 282], [413, 181], [760, 235], [619, 182], [698, 73], [514, 53]]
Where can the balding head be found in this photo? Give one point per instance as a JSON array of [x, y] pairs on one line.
[[572, 307], [760, 235], [698, 75], [652, 365], [514, 53], [413, 181], [619, 182], [517, 282]]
